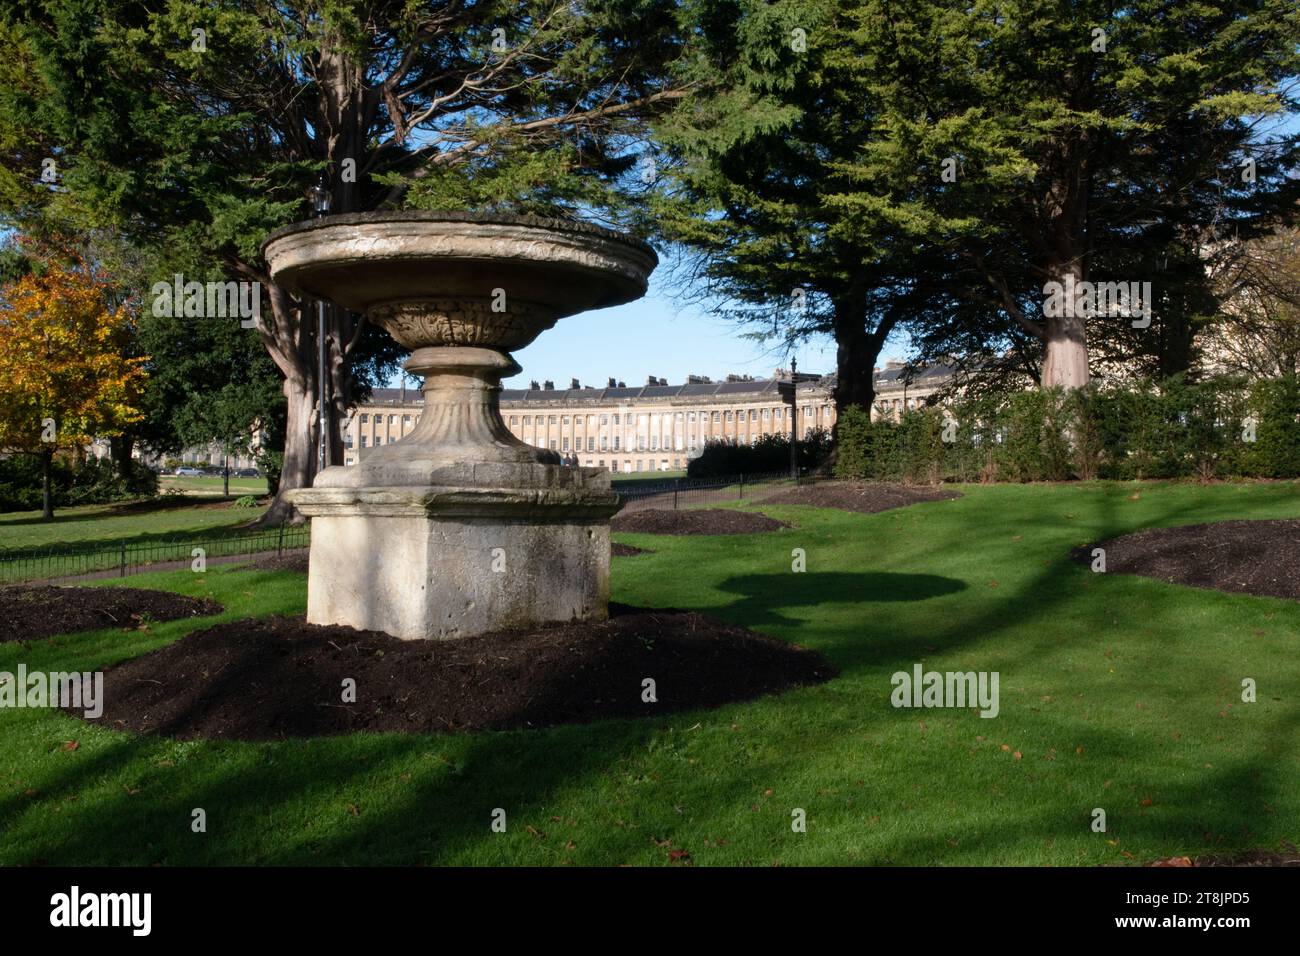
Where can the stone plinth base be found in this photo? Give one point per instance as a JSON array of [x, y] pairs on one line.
[[447, 562]]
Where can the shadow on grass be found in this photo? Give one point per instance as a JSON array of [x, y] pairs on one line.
[[764, 596], [447, 809]]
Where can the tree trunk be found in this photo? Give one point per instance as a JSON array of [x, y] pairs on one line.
[[225, 475], [119, 449], [47, 501], [300, 437], [1065, 351]]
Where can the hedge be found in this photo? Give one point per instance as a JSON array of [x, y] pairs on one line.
[[1219, 427]]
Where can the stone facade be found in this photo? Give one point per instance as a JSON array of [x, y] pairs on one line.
[[654, 427]]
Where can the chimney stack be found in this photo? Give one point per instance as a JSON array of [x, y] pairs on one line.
[[573, 383], [533, 385], [548, 385], [612, 384]]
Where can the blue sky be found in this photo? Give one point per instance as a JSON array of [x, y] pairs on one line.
[[654, 336]]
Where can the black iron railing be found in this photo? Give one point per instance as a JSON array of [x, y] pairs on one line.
[[103, 558]]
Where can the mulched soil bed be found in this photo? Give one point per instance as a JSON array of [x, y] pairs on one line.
[[294, 561], [1250, 557], [859, 496], [281, 677], [33, 613], [626, 550], [694, 521]]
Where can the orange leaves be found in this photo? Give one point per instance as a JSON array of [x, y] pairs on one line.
[[62, 358]]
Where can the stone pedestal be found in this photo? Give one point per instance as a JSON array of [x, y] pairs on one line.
[[459, 528], [455, 561]]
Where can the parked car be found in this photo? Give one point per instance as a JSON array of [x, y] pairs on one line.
[[189, 473], [246, 473]]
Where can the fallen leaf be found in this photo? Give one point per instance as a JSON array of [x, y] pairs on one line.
[[70, 746]]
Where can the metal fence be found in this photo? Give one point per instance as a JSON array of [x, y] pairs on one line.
[[105, 559], [675, 493]]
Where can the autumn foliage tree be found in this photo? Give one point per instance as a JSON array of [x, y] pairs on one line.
[[64, 377]]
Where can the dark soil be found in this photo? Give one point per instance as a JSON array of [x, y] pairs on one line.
[[1250, 557], [281, 677], [694, 521], [859, 496], [293, 561], [33, 613], [626, 550]]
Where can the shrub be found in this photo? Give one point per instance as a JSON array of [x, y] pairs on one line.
[[770, 453]]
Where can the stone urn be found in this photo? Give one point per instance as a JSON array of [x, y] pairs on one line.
[[458, 528]]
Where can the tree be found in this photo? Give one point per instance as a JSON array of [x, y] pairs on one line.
[[753, 162], [63, 378], [1258, 332], [1039, 145], [206, 122]]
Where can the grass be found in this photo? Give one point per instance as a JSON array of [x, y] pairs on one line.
[[213, 486], [1116, 692], [161, 518]]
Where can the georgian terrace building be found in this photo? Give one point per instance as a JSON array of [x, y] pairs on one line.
[[653, 427]]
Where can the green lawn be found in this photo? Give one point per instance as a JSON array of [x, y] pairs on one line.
[[134, 521], [1116, 692], [213, 486]]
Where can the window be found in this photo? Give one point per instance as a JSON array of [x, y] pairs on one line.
[[528, 420], [566, 441], [604, 420], [640, 444], [679, 416], [616, 443], [654, 442], [564, 420], [566, 444], [613, 465], [767, 414], [716, 418], [349, 441], [351, 461], [392, 419], [753, 414], [363, 441], [776, 414], [616, 419], [591, 421], [728, 417], [365, 419], [638, 464], [551, 420], [406, 419], [391, 439], [591, 443], [601, 463], [604, 443]]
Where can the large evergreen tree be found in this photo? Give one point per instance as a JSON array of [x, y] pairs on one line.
[[203, 124], [1084, 141]]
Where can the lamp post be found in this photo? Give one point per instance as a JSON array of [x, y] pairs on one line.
[[320, 202], [794, 419]]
